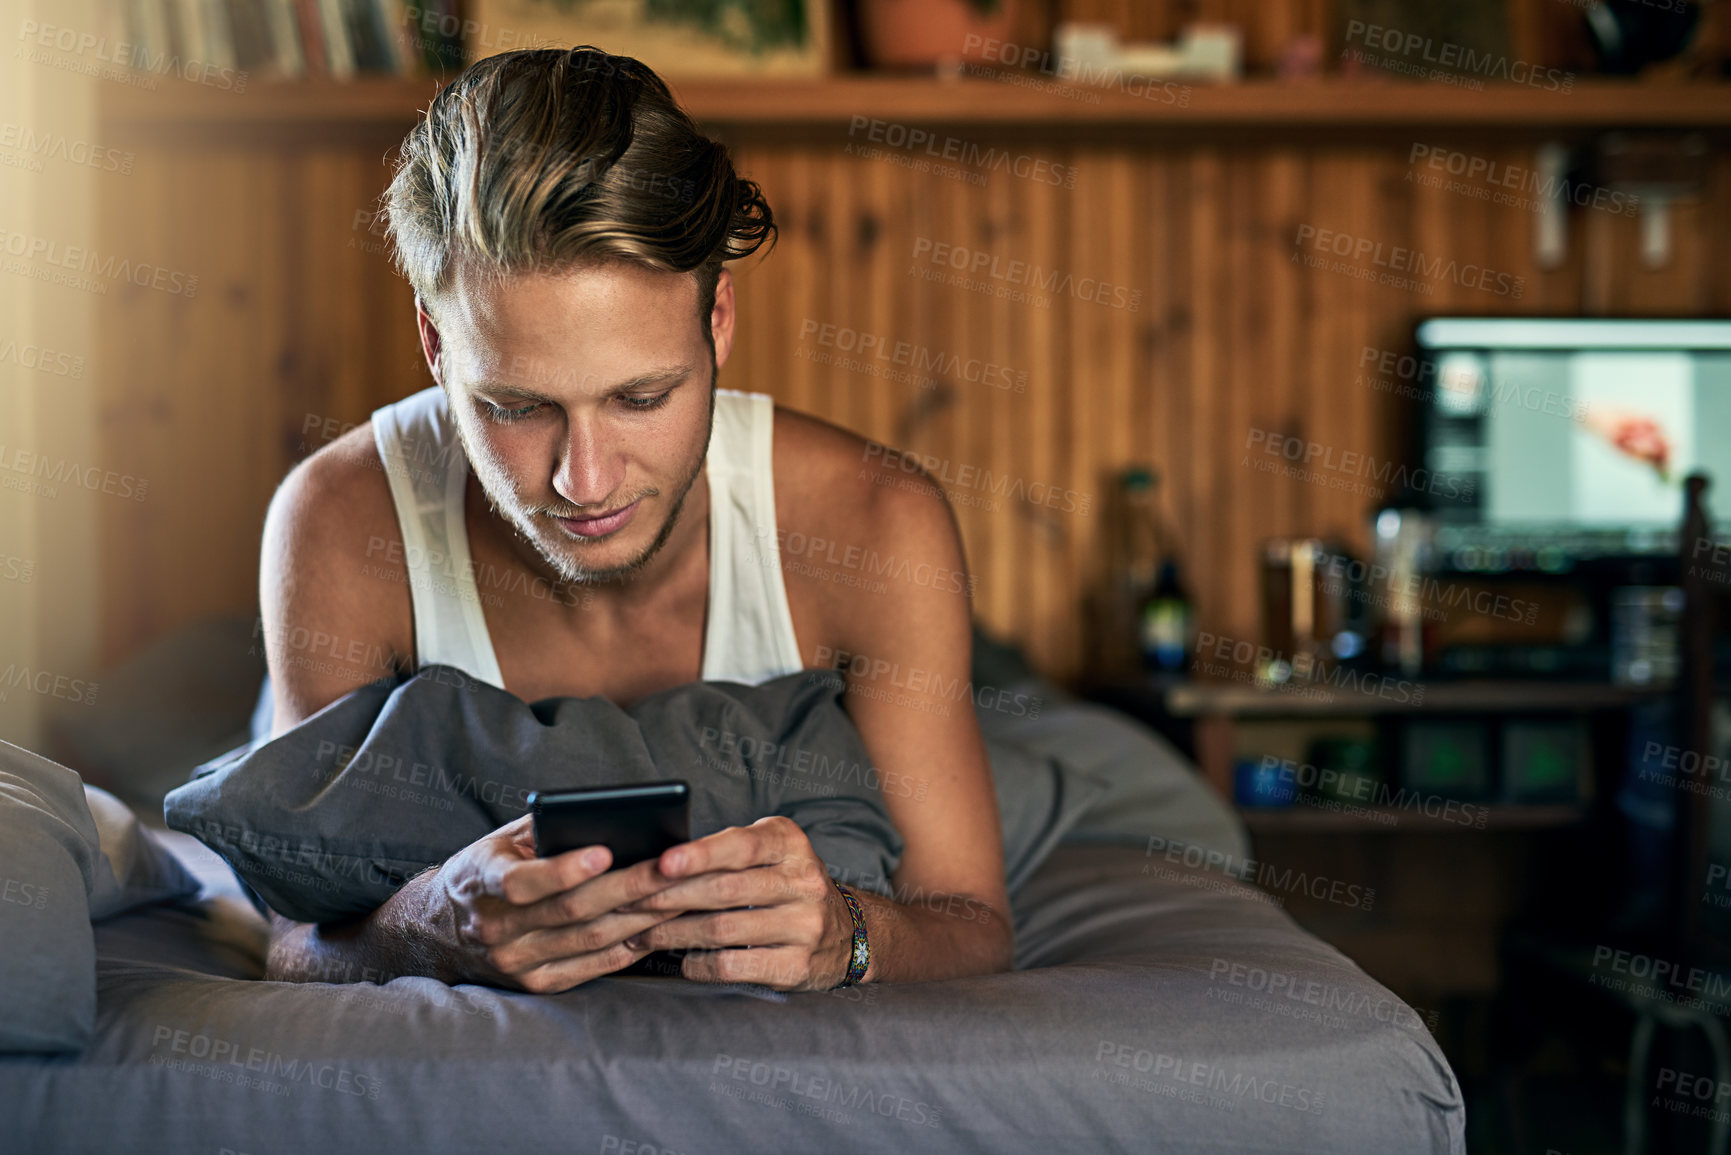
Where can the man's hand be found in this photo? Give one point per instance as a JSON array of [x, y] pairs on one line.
[[797, 927], [497, 914]]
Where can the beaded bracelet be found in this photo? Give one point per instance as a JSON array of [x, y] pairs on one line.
[[862, 951]]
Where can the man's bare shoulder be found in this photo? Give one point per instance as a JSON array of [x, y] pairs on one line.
[[833, 483], [339, 494], [333, 588]]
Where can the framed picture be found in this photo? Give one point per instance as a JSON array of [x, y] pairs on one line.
[[677, 38]]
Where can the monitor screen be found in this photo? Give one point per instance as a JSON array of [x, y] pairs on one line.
[[1576, 434]]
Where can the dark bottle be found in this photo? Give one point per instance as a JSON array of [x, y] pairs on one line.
[[1167, 619]]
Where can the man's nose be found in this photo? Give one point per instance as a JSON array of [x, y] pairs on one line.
[[589, 470]]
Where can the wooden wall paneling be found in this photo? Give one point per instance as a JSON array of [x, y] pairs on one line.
[[880, 305], [1176, 363], [293, 319], [752, 332], [790, 270], [1244, 395], [1337, 203], [1274, 342], [1092, 391], [1215, 478], [996, 536], [1717, 240], [1378, 209], [181, 402], [1161, 326], [1040, 354]]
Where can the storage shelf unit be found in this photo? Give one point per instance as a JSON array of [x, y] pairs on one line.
[[390, 103]]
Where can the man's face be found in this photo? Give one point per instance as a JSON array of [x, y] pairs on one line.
[[584, 402]]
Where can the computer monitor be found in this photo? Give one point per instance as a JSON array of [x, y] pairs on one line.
[[1550, 441]]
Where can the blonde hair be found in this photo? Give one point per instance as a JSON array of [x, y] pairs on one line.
[[544, 159]]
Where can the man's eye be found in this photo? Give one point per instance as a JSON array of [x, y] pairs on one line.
[[506, 416], [646, 402]]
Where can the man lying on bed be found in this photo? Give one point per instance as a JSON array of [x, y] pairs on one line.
[[557, 517]]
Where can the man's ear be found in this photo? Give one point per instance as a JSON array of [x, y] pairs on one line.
[[721, 319], [431, 346]]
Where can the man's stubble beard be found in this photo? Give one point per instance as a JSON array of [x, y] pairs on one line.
[[524, 522]]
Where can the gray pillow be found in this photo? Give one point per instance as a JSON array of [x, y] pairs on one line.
[[326, 820], [60, 864]]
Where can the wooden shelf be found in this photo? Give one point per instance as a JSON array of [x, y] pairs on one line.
[[1304, 818], [1220, 699], [377, 104]]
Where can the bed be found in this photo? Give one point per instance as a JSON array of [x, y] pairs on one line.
[[1154, 1006]]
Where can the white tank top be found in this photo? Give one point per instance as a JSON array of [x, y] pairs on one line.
[[749, 637]]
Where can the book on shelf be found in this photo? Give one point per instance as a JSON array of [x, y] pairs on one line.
[[290, 39]]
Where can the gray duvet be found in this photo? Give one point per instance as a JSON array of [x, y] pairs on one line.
[[1173, 1012], [1153, 1008]]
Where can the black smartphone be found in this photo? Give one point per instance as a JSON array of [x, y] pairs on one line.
[[634, 822]]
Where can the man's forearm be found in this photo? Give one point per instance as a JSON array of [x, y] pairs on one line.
[[389, 942], [939, 936]]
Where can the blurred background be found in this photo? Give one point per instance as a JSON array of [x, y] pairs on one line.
[[1320, 381]]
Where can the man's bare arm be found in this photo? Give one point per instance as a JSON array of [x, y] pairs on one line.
[[317, 581], [909, 690]]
